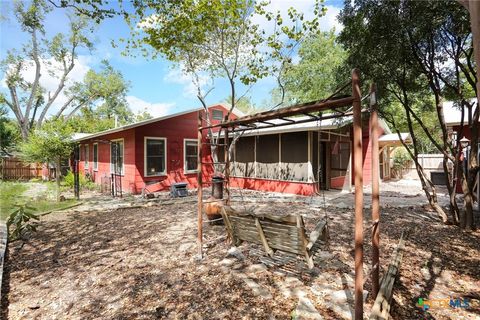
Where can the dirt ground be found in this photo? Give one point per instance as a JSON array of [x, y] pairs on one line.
[[140, 263]]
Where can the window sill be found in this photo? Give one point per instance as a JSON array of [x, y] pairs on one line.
[[156, 175], [190, 172]]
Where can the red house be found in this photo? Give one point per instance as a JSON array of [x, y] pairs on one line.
[[155, 152], [297, 158]]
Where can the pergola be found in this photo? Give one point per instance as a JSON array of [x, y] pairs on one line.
[[315, 111]]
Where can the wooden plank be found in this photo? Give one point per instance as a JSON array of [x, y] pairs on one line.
[[320, 230], [287, 112], [381, 306], [262, 238]]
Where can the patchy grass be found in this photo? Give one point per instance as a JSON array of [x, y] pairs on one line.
[[13, 193]]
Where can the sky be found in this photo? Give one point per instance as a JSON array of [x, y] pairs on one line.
[[155, 85]]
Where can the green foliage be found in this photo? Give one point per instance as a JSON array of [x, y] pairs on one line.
[[52, 142], [315, 76], [21, 222], [9, 132], [401, 159], [412, 50], [85, 182], [220, 38]]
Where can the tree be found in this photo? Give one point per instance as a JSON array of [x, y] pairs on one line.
[[219, 39], [244, 104], [315, 76], [27, 98], [415, 50], [52, 143], [9, 134]]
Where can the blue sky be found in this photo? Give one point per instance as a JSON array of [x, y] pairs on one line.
[[155, 84]]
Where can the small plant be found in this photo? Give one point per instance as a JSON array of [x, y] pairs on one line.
[[22, 222]]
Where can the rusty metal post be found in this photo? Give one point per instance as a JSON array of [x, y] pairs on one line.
[[375, 192], [357, 165], [199, 188], [227, 165]]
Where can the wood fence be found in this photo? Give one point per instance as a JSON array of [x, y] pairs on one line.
[[15, 169]]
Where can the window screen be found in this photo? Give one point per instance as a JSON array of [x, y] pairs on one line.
[[340, 158], [116, 157], [217, 114], [191, 149], [244, 161], [155, 163], [268, 157], [294, 156], [87, 155], [95, 156]]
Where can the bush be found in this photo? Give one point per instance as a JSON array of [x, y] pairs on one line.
[[22, 221], [401, 161], [85, 182]]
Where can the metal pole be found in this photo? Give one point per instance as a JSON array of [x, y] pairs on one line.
[[227, 166], [199, 188], [357, 165], [375, 192]]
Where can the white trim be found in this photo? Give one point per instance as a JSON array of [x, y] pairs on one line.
[[185, 156], [161, 174], [95, 164], [122, 173]]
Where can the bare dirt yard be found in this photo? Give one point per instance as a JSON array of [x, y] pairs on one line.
[[139, 263]]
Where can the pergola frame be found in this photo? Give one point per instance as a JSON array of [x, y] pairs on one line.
[[333, 103]]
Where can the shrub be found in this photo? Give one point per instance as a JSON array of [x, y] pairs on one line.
[[22, 222], [401, 161], [85, 181]]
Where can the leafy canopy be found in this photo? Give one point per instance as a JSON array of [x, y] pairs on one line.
[[50, 143]]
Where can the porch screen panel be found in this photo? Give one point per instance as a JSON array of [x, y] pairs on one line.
[[268, 157], [340, 158], [244, 159], [295, 156]]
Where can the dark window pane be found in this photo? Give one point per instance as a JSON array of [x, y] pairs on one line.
[[155, 157], [217, 115]]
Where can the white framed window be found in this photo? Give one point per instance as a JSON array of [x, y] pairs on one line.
[[217, 114], [190, 150], [116, 156], [87, 155], [155, 161], [95, 156]]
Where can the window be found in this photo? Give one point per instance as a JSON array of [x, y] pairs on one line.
[[217, 114], [155, 157], [87, 155], [190, 153], [95, 156], [116, 157]]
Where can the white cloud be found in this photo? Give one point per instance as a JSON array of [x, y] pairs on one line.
[[330, 19], [177, 76], [155, 109]]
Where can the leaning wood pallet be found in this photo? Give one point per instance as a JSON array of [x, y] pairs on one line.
[[283, 233], [381, 306]]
